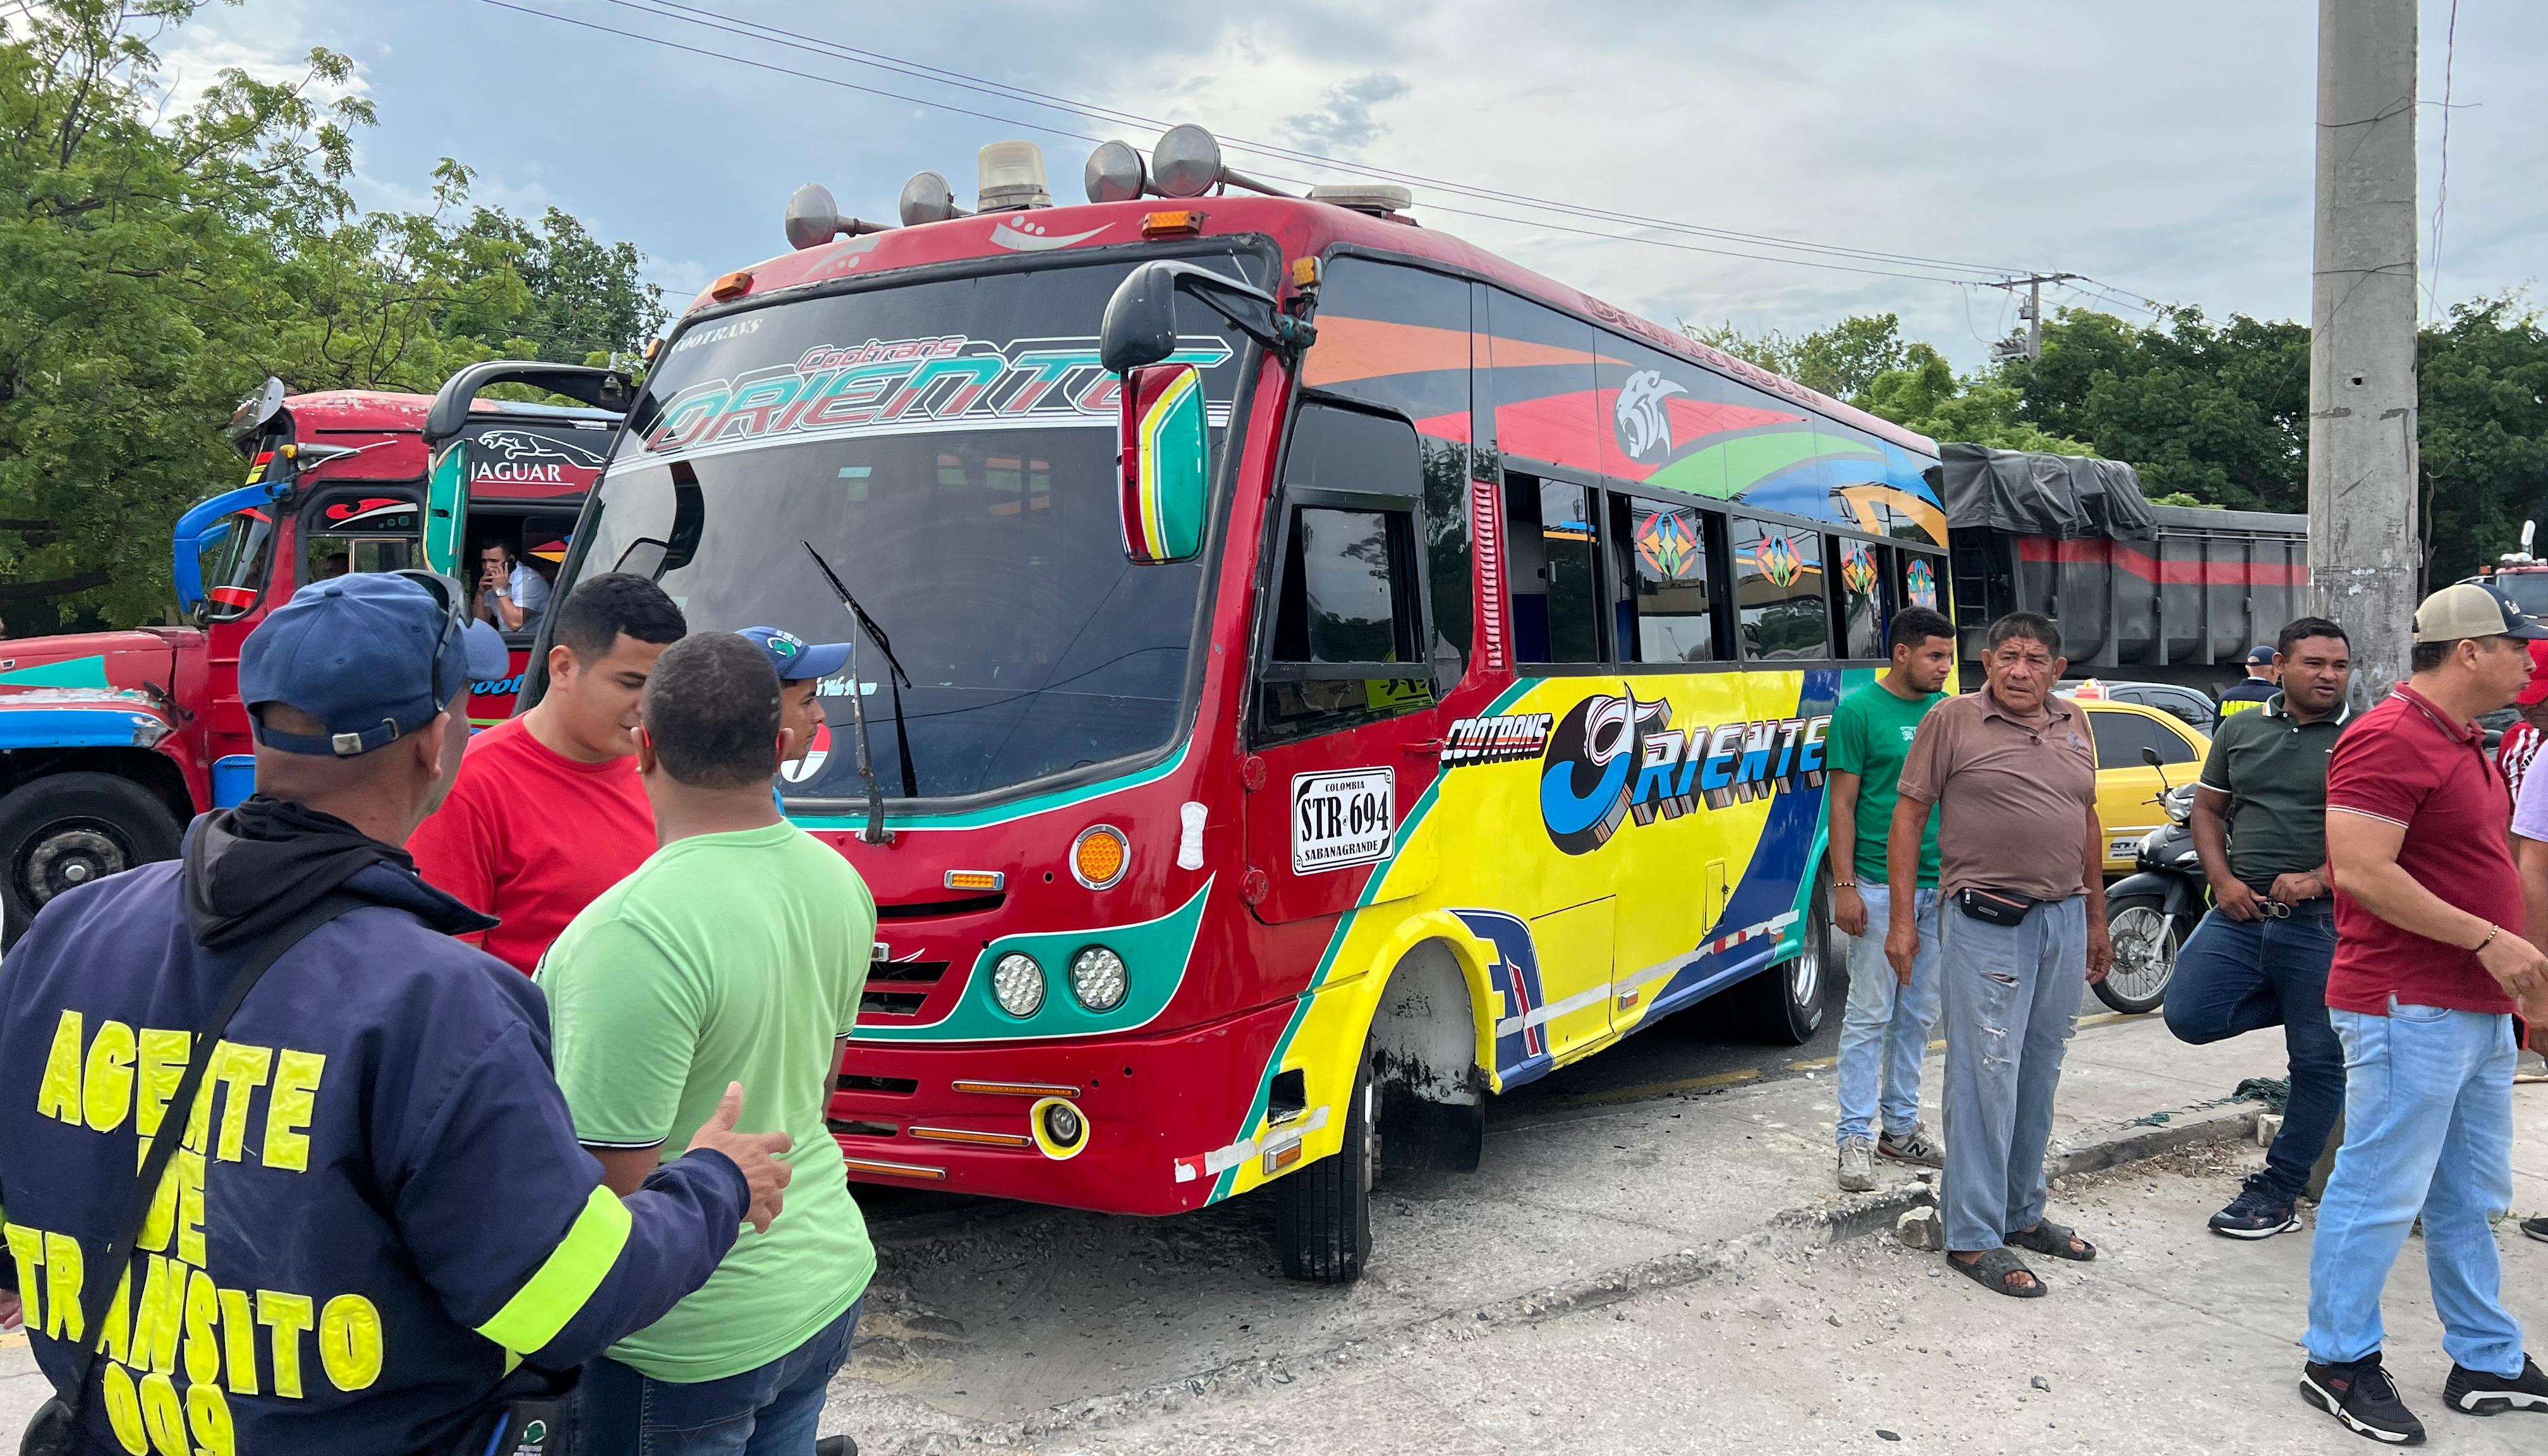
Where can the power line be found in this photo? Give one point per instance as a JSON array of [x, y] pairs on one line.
[[1940, 269], [814, 45]]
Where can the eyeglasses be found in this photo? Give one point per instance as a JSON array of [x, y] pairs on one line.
[[454, 599]]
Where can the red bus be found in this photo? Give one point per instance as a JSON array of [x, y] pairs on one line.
[[1322, 674]]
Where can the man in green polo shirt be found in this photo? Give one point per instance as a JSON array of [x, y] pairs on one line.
[[735, 953], [2261, 958], [1885, 1032]]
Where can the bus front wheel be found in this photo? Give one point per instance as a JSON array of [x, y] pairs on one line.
[[1322, 1212]]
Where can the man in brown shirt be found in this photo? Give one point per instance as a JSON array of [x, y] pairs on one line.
[[2013, 771]]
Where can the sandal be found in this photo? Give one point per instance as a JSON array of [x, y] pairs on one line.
[[1992, 1271], [2048, 1237]]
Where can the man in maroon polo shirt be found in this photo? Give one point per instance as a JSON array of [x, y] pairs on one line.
[[2430, 967]]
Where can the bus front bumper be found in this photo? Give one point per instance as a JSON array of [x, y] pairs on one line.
[[1124, 1125]]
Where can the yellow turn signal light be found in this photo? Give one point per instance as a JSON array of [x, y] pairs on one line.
[[1099, 856], [732, 285], [1172, 223]]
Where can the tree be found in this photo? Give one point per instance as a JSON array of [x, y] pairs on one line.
[[159, 266]]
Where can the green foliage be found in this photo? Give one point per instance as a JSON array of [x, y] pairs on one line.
[[155, 267]]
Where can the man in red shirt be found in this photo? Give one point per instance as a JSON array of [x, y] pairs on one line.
[[2430, 967], [548, 811]]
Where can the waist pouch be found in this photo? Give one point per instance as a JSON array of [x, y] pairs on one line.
[[1995, 907]]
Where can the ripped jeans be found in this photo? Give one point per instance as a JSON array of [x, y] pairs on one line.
[[2012, 1002]]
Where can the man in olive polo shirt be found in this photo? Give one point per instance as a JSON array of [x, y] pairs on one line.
[[2013, 771], [2260, 958], [2430, 967]]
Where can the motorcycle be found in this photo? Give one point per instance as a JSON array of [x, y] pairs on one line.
[[2150, 912]]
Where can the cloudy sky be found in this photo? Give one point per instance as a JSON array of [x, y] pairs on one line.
[[2162, 148]]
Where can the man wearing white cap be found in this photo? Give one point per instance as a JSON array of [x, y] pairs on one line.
[[2430, 967]]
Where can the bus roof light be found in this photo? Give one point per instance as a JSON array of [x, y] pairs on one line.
[[926, 198], [1011, 177], [1187, 163], [813, 219], [1380, 199], [1172, 223], [1115, 173], [732, 285]]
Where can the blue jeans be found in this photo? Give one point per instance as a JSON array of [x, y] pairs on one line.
[[769, 1412], [2427, 1125], [1885, 1030], [2237, 976], [2012, 1003]]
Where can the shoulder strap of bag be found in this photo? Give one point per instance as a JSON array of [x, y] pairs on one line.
[[172, 1130]]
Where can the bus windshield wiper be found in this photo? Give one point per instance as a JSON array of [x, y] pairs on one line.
[[895, 677]]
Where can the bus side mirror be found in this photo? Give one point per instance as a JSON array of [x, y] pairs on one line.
[[1165, 458]]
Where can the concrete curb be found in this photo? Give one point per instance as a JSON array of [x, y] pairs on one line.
[[1796, 1231]]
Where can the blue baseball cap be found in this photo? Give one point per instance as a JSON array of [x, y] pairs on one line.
[[373, 657], [793, 657], [2259, 655]]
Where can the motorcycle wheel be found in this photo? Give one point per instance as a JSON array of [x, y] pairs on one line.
[[2145, 941]]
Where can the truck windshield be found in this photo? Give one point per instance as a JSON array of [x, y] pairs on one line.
[[2527, 589], [235, 551], [949, 447]]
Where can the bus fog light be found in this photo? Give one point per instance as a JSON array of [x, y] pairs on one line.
[[1060, 1132], [1097, 978], [1017, 983]]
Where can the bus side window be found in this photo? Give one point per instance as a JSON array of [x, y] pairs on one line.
[[1861, 586], [1667, 551], [1345, 643], [1780, 608], [1552, 540]]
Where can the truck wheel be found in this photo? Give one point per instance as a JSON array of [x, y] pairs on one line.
[[1784, 1005], [1322, 1212], [70, 829]]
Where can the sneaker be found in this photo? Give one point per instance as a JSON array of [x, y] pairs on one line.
[[2479, 1394], [1856, 1165], [2536, 1228], [837, 1446], [2255, 1214], [1914, 1146], [2363, 1397]]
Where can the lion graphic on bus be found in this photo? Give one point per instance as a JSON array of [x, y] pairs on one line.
[[1645, 430]]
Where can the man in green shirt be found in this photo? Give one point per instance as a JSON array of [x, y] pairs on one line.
[[2262, 958], [735, 953], [1885, 1032]]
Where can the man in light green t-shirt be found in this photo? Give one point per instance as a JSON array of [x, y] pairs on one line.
[[1885, 1032], [735, 953]]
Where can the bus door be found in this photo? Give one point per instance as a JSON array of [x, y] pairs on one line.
[[1343, 727], [1563, 604]]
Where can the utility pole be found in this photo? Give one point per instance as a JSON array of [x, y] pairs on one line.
[[2032, 283], [2362, 458]]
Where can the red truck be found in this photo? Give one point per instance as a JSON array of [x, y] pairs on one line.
[[109, 742]]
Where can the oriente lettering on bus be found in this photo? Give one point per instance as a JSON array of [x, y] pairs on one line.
[[935, 379], [175, 1351]]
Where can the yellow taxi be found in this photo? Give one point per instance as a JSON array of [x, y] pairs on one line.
[[2128, 787]]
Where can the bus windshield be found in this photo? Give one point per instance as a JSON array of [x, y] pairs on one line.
[[948, 448]]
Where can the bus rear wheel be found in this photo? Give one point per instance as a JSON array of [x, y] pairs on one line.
[[64, 831], [1322, 1212], [1784, 1005]]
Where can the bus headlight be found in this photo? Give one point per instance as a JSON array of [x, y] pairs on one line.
[[1097, 978], [1017, 983]]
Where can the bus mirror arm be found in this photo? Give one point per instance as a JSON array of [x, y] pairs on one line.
[[1140, 326]]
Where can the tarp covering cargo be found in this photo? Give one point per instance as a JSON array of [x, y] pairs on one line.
[[2064, 496]]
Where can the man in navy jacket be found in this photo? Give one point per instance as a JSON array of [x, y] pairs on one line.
[[379, 1210]]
